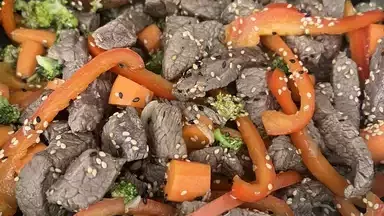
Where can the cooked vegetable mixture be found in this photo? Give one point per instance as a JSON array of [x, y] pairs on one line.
[[191, 108]]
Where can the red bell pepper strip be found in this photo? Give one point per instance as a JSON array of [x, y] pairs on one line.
[[283, 19], [374, 137], [158, 85], [375, 33], [359, 44], [271, 203], [310, 152], [60, 98], [8, 18], [278, 123]]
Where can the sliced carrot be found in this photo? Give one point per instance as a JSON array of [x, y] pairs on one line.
[[30, 153], [8, 18], [54, 84], [374, 137], [45, 37], [8, 77], [150, 38], [125, 92], [376, 32], [187, 180], [160, 86], [26, 62], [4, 91], [5, 132], [24, 98], [197, 136]]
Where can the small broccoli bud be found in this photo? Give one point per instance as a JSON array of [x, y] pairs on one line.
[[8, 113], [279, 63], [226, 141], [96, 5], [10, 53], [155, 63], [125, 190], [228, 106], [49, 68]]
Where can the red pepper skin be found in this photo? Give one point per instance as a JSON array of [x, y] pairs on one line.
[[283, 19]]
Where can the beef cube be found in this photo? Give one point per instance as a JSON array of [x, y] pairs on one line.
[[205, 9]]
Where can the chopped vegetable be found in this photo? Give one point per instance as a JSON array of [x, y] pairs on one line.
[[125, 92], [150, 38], [104, 207], [59, 99], [8, 204], [226, 141], [278, 123], [26, 62], [228, 106], [44, 37], [375, 33], [8, 77], [279, 63], [55, 84], [160, 86], [49, 68], [125, 190], [246, 31], [8, 18], [23, 99], [271, 204], [10, 53], [96, 5], [4, 91], [198, 135], [345, 207], [374, 140], [377, 186], [182, 179], [308, 149], [375, 207], [46, 14], [155, 63], [30, 153], [295, 92], [9, 113], [5, 133]]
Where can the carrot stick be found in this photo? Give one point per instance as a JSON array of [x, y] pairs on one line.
[[150, 38], [24, 98], [30, 153], [54, 84], [187, 180], [197, 136], [60, 98], [8, 77], [26, 62], [5, 134], [374, 138], [158, 85], [125, 92], [8, 18], [376, 32], [4, 91], [44, 37], [377, 186]]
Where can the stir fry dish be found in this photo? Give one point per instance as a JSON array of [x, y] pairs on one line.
[[191, 108]]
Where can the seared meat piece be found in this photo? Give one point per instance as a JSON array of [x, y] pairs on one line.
[[154, 174], [239, 8], [56, 128], [173, 23], [313, 7], [220, 161], [121, 32], [332, 45], [165, 130], [88, 109], [285, 156], [71, 50], [373, 105], [216, 72], [334, 8], [205, 9], [193, 112], [86, 180], [32, 108], [161, 8], [345, 83], [88, 21], [343, 138], [252, 82], [124, 136], [365, 6], [188, 44]]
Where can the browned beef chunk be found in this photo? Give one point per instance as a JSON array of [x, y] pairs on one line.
[[161, 8], [205, 9]]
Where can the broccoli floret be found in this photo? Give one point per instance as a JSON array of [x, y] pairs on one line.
[[96, 5], [228, 106], [46, 14], [226, 141], [155, 63], [279, 63], [8, 113], [48, 68], [10, 54], [125, 190]]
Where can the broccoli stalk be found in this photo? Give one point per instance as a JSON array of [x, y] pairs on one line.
[[125, 190], [228, 106], [48, 68], [10, 53], [226, 141], [8, 113], [279, 63]]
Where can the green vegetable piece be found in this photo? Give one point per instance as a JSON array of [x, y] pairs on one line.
[[9, 54], [8, 113], [49, 68], [228, 106], [96, 5], [125, 190], [155, 64], [279, 63], [226, 141]]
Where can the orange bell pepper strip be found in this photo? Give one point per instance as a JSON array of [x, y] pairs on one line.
[[278, 123], [310, 152], [45, 37], [8, 18], [375, 33], [374, 137], [60, 98], [283, 19], [158, 85]]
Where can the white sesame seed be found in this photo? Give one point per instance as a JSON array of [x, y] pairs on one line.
[[135, 148], [370, 204], [309, 95], [45, 124], [269, 166], [184, 192], [94, 172], [104, 165], [376, 206], [270, 186], [338, 206], [267, 157]]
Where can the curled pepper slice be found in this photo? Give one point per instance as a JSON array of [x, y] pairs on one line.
[[310, 152], [374, 137], [283, 19], [60, 98], [158, 85], [278, 123]]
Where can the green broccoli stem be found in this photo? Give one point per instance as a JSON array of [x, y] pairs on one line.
[[220, 137]]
